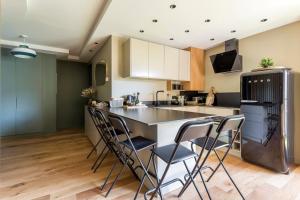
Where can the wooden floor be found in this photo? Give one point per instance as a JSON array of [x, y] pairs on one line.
[[55, 167]]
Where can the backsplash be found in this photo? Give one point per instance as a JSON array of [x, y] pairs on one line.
[[225, 99]]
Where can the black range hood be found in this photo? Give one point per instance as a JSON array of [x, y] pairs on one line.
[[228, 61]]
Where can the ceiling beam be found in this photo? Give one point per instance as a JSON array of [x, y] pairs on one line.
[[95, 26], [39, 48]]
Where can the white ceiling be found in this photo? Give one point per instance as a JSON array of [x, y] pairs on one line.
[[77, 24], [56, 23]]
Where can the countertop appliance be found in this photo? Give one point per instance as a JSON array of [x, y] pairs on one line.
[[267, 103]]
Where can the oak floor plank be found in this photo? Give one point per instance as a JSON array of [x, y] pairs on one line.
[[54, 166]]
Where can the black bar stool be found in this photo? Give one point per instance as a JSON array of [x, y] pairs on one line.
[[107, 136], [231, 124], [175, 153], [126, 149], [92, 114], [99, 127]]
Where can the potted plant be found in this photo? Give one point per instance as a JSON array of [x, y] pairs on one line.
[[266, 62], [88, 93]]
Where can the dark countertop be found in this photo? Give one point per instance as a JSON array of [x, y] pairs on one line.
[[152, 116]]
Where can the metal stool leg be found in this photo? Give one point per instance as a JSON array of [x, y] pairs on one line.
[[157, 179], [98, 157], [214, 171], [107, 177], [118, 176], [161, 181], [143, 179], [204, 185], [221, 162], [190, 175], [94, 148], [107, 152]]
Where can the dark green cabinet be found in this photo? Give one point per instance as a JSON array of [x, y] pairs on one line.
[[28, 94]]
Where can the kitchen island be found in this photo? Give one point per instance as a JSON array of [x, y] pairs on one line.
[[160, 125]]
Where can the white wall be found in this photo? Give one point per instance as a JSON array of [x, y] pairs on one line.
[[282, 45], [104, 55]]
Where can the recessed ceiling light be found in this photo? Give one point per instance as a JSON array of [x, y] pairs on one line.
[[232, 31], [154, 20], [212, 39], [172, 6], [264, 20], [207, 20], [171, 38], [187, 31], [141, 31]]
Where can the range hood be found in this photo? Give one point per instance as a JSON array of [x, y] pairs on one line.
[[228, 61]]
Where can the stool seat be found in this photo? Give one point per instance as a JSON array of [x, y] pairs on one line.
[[200, 142], [139, 143], [181, 154]]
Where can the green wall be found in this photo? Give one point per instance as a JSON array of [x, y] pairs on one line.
[[28, 94], [72, 77]]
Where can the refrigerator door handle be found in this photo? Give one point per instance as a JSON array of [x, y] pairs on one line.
[[249, 101]]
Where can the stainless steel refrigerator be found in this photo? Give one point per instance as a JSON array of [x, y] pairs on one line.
[[267, 103]]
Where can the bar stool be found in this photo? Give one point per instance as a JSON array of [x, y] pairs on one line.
[[177, 153], [126, 149], [230, 124], [99, 127], [105, 131]]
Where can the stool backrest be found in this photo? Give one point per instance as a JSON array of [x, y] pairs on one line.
[[194, 129], [231, 123], [92, 111], [119, 123], [104, 124]]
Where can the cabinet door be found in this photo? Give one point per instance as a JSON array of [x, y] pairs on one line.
[[184, 65], [156, 61], [8, 93], [171, 63], [138, 58], [29, 116]]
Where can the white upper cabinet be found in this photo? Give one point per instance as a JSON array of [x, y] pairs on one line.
[[136, 58], [171, 63], [156, 61], [149, 60], [184, 65]]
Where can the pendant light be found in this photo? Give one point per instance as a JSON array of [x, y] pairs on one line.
[[23, 51]]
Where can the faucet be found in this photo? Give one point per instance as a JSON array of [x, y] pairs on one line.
[[156, 97]]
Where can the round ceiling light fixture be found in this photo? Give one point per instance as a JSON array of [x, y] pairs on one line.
[[172, 6], [264, 20], [23, 50]]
